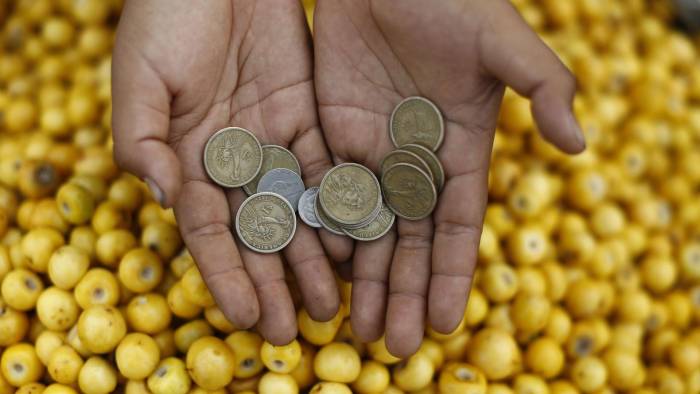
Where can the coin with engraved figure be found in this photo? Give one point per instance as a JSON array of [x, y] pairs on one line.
[[307, 210], [403, 156], [284, 182], [326, 222], [376, 229], [438, 173], [416, 120], [408, 191], [273, 156], [266, 222], [232, 157], [349, 194]]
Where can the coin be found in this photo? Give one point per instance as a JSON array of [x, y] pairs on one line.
[[404, 156], [266, 222], [232, 157], [376, 229], [325, 221], [438, 173], [408, 191], [273, 156], [284, 182], [306, 208], [416, 120], [350, 194]]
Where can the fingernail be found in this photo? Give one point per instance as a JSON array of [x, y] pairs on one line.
[[156, 191], [577, 132]]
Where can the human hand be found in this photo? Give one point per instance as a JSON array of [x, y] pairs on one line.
[[180, 73], [370, 54]]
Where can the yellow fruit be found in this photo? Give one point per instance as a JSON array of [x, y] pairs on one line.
[[281, 359], [530, 313], [194, 288], [685, 356], [462, 378], [148, 313], [101, 328], [64, 365], [137, 356], [337, 362], [211, 363], [20, 365], [140, 270], [38, 245], [318, 333], [97, 287], [412, 374], [495, 353], [588, 374], [189, 332], [170, 377], [528, 245], [499, 282], [57, 309], [434, 351], [179, 304], [97, 376], [13, 325], [59, 389], [246, 347], [67, 266], [545, 357], [75, 203], [330, 388], [217, 319], [166, 343], [276, 383], [303, 374], [625, 370], [162, 238], [374, 378], [21, 289]]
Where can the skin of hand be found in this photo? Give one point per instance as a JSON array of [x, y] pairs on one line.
[[369, 55], [180, 73]]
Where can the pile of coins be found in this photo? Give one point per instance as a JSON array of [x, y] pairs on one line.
[[350, 200]]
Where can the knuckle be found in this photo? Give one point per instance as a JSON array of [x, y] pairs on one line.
[[453, 228], [205, 231]]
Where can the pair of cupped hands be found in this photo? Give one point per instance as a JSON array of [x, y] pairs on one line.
[[183, 70]]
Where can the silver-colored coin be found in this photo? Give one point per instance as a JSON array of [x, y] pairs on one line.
[[435, 167], [284, 182], [326, 222], [274, 156], [306, 209], [350, 194], [266, 222], [232, 157], [416, 120], [408, 191], [376, 229]]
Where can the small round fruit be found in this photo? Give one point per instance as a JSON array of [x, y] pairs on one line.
[[195, 289], [170, 377], [140, 270], [318, 333], [137, 356], [97, 376], [67, 266], [179, 304], [57, 309], [21, 289], [330, 388], [588, 374], [530, 384], [246, 346], [14, 325], [412, 374], [277, 383], [186, 334], [97, 287], [281, 359], [494, 352], [374, 378], [148, 313], [75, 203], [211, 363], [337, 362], [20, 364], [545, 357], [64, 365], [101, 328], [458, 378]]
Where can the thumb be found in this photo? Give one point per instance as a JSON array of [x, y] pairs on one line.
[[140, 124], [517, 56]]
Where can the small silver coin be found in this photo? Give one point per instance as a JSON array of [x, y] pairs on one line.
[[306, 209], [284, 182], [326, 222]]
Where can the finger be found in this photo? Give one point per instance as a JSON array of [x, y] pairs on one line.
[[203, 215], [344, 270], [371, 264], [140, 120], [408, 287], [458, 219], [519, 58], [306, 257], [277, 318]]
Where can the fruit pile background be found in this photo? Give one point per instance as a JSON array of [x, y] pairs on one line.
[[589, 266]]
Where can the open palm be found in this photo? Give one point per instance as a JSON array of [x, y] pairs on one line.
[[370, 54], [180, 73]]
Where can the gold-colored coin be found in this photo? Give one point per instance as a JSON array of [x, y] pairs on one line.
[[436, 170], [326, 222], [376, 229], [408, 191], [273, 156], [266, 222], [416, 120], [350, 194], [404, 156], [232, 157]]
